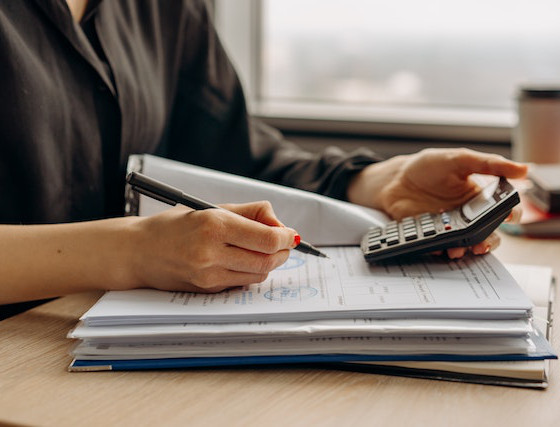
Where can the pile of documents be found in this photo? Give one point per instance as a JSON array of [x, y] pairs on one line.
[[466, 319]]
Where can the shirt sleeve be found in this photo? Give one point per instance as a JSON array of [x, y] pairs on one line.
[[210, 125]]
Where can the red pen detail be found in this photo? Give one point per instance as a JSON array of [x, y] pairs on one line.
[[297, 240]]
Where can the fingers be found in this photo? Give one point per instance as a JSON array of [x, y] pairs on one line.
[[515, 215], [256, 228], [218, 280], [491, 243], [233, 267], [258, 211], [470, 162], [209, 250], [455, 253], [245, 233], [240, 260]]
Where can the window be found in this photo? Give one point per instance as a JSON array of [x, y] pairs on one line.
[[431, 61]]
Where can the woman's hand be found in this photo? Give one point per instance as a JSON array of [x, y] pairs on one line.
[[429, 181], [209, 250], [179, 249]]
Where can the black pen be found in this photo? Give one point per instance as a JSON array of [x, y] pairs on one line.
[[167, 194]]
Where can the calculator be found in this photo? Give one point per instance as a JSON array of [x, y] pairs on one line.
[[465, 226]]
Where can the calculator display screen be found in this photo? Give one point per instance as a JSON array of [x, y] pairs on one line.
[[481, 202]]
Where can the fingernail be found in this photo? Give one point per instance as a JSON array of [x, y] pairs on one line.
[[297, 240], [483, 250]]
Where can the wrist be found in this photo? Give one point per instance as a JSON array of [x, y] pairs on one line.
[[126, 256], [110, 262]]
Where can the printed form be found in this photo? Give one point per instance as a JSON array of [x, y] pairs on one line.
[[343, 286]]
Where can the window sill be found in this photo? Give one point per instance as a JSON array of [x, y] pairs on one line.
[[451, 124]]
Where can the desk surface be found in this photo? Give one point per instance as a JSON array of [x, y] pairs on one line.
[[36, 388]]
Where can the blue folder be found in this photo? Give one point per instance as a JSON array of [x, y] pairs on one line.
[[543, 351]]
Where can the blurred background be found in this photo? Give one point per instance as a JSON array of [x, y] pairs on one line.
[[399, 74]]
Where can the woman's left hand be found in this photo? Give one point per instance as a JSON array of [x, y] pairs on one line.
[[429, 181]]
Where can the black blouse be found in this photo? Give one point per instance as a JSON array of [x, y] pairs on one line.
[[137, 76]]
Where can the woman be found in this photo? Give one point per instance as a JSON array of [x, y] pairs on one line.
[[85, 84]]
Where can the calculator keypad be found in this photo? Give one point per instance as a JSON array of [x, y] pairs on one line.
[[408, 229], [428, 232]]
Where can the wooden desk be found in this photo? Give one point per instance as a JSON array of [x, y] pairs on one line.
[[36, 389]]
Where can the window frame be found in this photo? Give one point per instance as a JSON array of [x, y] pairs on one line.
[[240, 25]]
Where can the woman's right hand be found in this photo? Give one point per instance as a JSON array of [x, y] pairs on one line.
[[208, 250]]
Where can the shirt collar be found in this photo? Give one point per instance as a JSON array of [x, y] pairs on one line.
[[59, 14], [91, 8]]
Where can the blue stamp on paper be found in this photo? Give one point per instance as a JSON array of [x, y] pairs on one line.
[[292, 262], [284, 293]]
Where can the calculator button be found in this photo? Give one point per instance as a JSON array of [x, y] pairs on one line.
[[374, 246], [410, 236], [392, 241], [429, 231], [375, 232]]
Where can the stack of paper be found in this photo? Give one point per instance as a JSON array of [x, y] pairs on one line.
[[465, 319], [339, 309], [538, 283]]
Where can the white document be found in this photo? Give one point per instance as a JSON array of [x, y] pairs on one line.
[[536, 282], [315, 328], [296, 346], [343, 286], [320, 220]]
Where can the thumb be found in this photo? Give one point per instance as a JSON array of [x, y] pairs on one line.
[[470, 162]]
